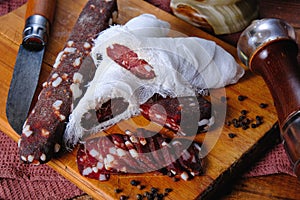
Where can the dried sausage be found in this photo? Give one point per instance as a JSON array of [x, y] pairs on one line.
[[117, 153], [42, 133]]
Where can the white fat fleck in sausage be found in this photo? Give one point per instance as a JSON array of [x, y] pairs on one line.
[[99, 165], [43, 157], [77, 92], [87, 45], [55, 75], [77, 77], [45, 133], [184, 176], [23, 158], [121, 152], [26, 131], [77, 62], [203, 122], [57, 82], [30, 158], [56, 147], [102, 177], [58, 59], [94, 153], [56, 105], [87, 171], [70, 43], [70, 49]]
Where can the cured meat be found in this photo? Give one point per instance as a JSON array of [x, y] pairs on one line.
[[42, 133], [126, 58], [135, 63], [183, 115], [139, 152]]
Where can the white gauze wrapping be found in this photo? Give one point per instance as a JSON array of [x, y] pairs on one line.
[[182, 66]]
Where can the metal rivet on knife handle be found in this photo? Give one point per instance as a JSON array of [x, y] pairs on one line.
[[39, 17]]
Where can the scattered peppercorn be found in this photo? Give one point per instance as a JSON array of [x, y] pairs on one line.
[[148, 195], [123, 197], [160, 196], [263, 105], [175, 179], [170, 174], [258, 118], [241, 118], [242, 97], [243, 121], [139, 197], [245, 127], [134, 182], [228, 123], [140, 187], [118, 190], [236, 125], [168, 190], [231, 135], [244, 112], [154, 190], [164, 171]]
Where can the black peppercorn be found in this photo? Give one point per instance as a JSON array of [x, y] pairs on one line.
[[170, 174], [242, 117], [123, 197], [231, 135], [244, 112], [160, 196], [134, 182], [154, 190], [118, 190], [263, 105], [139, 197], [228, 123], [241, 97], [174, 179], [140, 187], [259, 118], [168, 190], [236, 125]]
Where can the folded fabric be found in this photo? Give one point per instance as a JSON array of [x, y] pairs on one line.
[[23, 181], [134, 64], [7, 6]]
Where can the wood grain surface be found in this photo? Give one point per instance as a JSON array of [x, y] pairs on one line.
[[45, 8], [229, 155]]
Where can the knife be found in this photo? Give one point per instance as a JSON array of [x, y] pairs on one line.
[[39, 16]]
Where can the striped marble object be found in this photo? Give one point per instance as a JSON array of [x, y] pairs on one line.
[[217, 16]]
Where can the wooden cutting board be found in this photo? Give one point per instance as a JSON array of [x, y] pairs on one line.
[[226, 160]]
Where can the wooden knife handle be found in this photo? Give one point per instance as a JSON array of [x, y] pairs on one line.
[[45, 8]]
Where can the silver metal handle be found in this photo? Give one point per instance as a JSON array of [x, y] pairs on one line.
[[36, 32]]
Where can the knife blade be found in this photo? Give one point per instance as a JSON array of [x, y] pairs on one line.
[[39, 16]]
